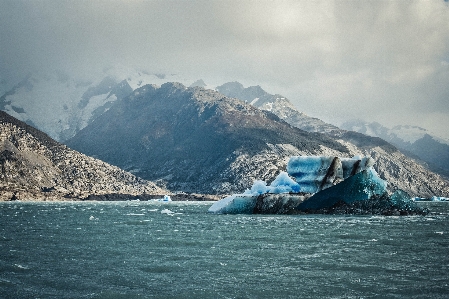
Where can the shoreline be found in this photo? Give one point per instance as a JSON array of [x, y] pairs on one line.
[[49, 197]]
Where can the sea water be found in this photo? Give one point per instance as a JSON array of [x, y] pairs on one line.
[[178, 250]]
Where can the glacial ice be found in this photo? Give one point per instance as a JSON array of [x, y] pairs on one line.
[[235, 204], [316, 173]]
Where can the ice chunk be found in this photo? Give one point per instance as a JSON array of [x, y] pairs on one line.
[[281, 184], [316, 173], [234, 204], [361, 186], [165, 198], [258, 187], [439, 198], [167, 211]]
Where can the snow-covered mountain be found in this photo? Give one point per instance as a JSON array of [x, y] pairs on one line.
[[61, 105], [412, 139], [276, 104]]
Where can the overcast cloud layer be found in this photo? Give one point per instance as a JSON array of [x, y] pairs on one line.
[[385, 61]]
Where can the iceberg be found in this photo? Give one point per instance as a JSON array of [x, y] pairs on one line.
[[268, 203], [165, 198], [330, 185]]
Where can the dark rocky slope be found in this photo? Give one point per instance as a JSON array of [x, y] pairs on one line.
[[35, 167]]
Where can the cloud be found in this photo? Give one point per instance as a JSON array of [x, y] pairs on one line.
[[379, 60]]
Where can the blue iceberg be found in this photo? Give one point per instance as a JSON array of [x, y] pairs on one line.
[[330, 185]]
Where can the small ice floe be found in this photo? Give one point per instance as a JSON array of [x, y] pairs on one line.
[[168, 212], [92, 218], [165, 199], [439, 233]]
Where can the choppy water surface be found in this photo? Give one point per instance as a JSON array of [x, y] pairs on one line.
[[177, 250]]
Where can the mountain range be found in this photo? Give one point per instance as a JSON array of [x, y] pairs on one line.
[[276, 104], [195, 139]]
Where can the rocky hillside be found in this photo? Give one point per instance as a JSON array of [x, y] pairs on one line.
[[35, 167], [199, 140]]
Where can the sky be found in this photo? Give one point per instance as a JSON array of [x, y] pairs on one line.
[[384, 61]]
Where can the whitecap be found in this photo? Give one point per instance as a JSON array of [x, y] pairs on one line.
[[21, 267]]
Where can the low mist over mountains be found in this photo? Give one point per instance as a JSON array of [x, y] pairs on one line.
[[35, 167], [61, 105]]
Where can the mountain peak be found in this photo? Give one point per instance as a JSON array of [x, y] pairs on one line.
[[198, 83]]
